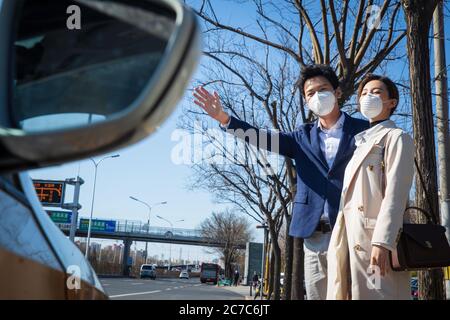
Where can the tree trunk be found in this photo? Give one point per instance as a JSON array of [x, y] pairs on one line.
[[275, 276], [271, 274], [298, 274], [418, 18], [289, 247], [289, 255], [228, 266]]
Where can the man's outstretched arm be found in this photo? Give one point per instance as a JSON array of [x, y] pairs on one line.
[[241, 129]]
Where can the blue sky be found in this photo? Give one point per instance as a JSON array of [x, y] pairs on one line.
[[145, 171]]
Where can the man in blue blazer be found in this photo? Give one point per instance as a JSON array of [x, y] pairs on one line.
[[321, 151]]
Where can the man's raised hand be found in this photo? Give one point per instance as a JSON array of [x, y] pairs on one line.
[[211, 104]]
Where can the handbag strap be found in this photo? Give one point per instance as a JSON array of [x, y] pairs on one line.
[[430, 217]]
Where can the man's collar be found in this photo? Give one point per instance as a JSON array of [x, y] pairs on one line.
[[338, 125]]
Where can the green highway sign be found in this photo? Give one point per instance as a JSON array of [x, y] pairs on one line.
[[60, 216], [98, 225]]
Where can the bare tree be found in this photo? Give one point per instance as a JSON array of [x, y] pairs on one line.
[[247, 179], [230, 229], [419, 14]]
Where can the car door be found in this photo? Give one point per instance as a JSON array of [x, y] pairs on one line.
[[29, 267], [80, 280], [36, 259]]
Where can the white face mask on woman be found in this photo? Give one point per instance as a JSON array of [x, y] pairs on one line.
[[371, 106], [322, 103]]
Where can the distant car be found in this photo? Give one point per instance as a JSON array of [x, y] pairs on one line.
[[148, 271], [414, 288], [184, 275], [282, 278]]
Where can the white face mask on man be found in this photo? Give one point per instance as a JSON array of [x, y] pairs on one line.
[[322, 103], [371, 106]]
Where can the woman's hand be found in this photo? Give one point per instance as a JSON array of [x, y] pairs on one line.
[[211, 104], [380, 258]]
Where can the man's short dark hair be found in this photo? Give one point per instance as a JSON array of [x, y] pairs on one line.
[[315, 70], [390, 85]]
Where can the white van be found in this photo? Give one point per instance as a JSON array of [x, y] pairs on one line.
[[148, 271]]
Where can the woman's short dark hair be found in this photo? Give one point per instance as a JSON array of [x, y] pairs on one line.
[[390, 85], [315, 70]]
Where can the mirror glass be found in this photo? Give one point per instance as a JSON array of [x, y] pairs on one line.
[[80, 62]]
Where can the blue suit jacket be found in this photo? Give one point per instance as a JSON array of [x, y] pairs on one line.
[[316, 182]]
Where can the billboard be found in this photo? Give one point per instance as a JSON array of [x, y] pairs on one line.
[[98, 225], [49, 192]]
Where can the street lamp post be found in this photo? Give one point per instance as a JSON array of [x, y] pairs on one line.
[[92, 204], [148, 224], [170, 244], [264, 253], [135, 253]]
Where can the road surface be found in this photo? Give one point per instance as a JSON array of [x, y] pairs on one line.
[[168, 289]]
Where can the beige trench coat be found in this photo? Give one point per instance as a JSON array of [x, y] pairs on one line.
[[382, 164]]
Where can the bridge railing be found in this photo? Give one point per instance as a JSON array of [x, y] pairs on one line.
[[139, 227]]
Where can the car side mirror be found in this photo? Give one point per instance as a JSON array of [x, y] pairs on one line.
[[85, 77]]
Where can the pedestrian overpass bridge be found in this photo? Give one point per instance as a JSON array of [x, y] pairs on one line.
[[128, 230]]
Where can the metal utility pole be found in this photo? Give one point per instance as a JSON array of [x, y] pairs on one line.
[[148, 224], [443, 141], [440, 71], [96, 164], [74, 206], [170, 243]]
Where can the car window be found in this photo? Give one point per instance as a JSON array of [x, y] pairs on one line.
[[147, 268]]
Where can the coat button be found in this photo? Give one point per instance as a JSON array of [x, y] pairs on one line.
[[361, 208], [371, 167], [358, 247]]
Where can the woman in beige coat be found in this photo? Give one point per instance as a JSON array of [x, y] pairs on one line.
[[374, 196]]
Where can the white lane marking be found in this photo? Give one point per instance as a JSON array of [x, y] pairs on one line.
[[168, 289], [105, 284], [197, 285], [136, 283], [134, 294]]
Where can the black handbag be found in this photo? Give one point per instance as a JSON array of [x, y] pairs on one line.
[[421, 246]]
